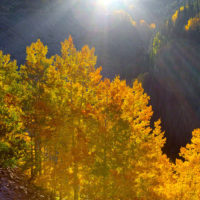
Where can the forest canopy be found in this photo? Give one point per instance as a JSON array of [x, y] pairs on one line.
[[84, 137]]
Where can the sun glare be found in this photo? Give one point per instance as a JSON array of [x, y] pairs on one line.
[[106, 3]]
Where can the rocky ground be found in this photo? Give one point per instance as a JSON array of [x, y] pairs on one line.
[[14, 185]]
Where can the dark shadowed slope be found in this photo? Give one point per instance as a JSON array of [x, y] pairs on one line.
[[117, 42], [14, 185]]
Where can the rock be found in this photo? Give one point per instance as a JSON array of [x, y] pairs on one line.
[[14, 185]]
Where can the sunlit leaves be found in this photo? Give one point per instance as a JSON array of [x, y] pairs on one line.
[[175, 16], [158, 41], [10, 111], [152, 26], [187, 171], [193, 24], [89, 137]]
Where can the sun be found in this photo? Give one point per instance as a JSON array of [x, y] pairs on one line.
[[106, 3]]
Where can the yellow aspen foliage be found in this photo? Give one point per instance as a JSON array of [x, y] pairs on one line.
[[125, 16], [34, 103], [91, 138], [193, 24], [10, 115], [182, 8], [134, 23], [142, 22], [152, 26], [175, 16], [99, 129], [12, 135], [187, 171]]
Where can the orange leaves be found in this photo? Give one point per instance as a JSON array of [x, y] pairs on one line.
[[5, 59], [67, 48], [118, 91], [175, 16], [9, 99], [89, 133], [91, 137], [95, 77], [193, 24], [152, 26], [36, 52], [192, 149], [186, 170]]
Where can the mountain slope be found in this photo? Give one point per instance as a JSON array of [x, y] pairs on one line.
[[122, 48], [14, 185], [176, 72]]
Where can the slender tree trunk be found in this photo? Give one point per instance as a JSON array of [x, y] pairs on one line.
[[76, 182], [75, 172], [60, 193], [37, 155], [105, 157], [32, 158], [105, 165]]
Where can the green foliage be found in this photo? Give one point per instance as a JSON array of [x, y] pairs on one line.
[[12, 135], [7, 158], [158, 41], [184, 23]]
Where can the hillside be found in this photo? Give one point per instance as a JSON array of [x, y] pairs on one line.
[[175, 77], [121, 48], [71, 129], [14, 185], [110, 36]]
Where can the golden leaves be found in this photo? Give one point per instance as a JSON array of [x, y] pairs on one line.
[[88, 133], [36, 52], [175, 16], [152, 26], [193, 24]]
